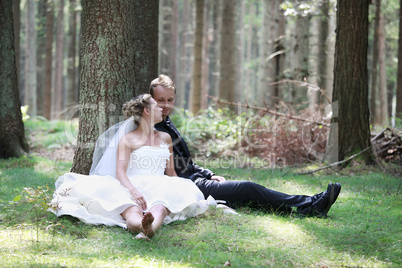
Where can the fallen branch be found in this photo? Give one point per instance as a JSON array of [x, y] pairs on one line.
[[266, 110], [334, 164], [303, 84]]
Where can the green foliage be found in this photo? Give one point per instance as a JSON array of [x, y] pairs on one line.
[[211, 132], [51, 134]]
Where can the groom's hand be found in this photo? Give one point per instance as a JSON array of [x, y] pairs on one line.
[[217, 178]]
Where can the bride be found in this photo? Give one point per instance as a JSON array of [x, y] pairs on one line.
[[132, 182]]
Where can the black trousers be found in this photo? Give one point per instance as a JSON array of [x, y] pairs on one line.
[[247, 193]]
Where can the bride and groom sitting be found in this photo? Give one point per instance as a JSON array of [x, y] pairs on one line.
[[142, 175]]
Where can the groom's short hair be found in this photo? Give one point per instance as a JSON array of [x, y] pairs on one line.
[[162, 80]]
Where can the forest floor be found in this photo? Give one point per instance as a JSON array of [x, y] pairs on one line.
[[363, 228]]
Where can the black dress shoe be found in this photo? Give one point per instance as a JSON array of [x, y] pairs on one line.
[[323, 206], [323, 201]]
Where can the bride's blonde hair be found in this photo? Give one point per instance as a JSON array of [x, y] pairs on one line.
[[135, 107]]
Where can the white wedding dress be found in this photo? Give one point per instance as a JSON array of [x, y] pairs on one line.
[[98, 199]]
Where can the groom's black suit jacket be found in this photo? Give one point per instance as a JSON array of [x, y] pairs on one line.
[[184, 165]]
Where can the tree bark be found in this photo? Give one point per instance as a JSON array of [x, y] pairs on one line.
[[17, 29], [350, 124], [399, 74], [263, 88], [314, 62], [40, 55], [58, 78], [322, 46], [71, 90], [47, 112], [166, 39], [145, 44], [109, 66], [214, 51], [229, 78], [30, 62], [383, 90], [186, 45], [12, 134], [196, 85], [374, 105]]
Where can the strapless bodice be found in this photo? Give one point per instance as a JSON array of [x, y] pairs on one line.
[[148, 160]]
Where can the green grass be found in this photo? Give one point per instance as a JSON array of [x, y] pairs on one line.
[[363, 228]]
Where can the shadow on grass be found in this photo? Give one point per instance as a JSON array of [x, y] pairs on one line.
[[363, 227]]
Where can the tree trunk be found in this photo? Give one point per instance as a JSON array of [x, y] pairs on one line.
[[263, 88], [383, 90], [58, 78], [145, 45], [196, 85], [314, 61], [40, 55], [228, 82], [47, 112], [374, 104], [398, 111], [186, 45], [30, 62], [175, 37], [214, 51], [330, 53], [350, 124], [12, 134], [166, 39], [322, 47], [71, 90], [17, 29], [108, 66]]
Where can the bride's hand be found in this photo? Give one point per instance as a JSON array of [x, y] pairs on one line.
[[138, 198]]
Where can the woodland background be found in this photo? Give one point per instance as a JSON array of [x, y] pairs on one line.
[[282, 51]]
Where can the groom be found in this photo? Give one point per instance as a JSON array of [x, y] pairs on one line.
[[236, 193]]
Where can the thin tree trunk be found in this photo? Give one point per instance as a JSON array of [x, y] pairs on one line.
[[322, 47], [196, 84], [175, 37], [166, 38], [382, 73], [205, 57], [71, 90], [330, 56], [40, 55], [263, 88], [215, 48], [48, 62], [12, 134], [227, 86], [181, 77], [314, 61], [374, 111], [58, 79], [398, 110], [184, 83], [30, 62]]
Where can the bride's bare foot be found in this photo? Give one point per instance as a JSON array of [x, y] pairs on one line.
[[147, 221]]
